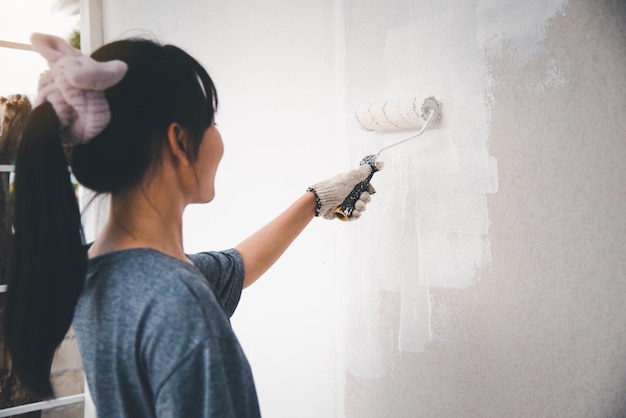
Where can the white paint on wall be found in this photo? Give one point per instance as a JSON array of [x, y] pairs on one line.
[[431, 223], [521, 25]]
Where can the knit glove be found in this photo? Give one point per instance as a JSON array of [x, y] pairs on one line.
[[330, 194]]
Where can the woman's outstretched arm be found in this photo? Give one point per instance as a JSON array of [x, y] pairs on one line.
[[261, 250]]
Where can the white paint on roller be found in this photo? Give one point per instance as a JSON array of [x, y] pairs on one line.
[[391, 115], [431, 221]]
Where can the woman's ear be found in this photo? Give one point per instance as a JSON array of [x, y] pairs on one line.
[[177, 142]]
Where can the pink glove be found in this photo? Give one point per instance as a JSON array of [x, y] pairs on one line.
[[75, 86]]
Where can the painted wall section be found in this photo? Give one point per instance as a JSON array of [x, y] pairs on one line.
[[489, 279], [431, 224]]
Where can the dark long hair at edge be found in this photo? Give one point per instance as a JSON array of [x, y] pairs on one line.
[[48, 261]]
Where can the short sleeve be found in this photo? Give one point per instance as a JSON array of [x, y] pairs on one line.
[[211, 381], [224, 270]]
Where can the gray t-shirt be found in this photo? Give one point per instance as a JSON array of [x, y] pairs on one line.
[[155, 336]]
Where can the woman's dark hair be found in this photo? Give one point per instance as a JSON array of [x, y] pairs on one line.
[[48, 261]]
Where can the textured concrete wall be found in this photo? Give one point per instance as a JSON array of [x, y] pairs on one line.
[[540, 329]]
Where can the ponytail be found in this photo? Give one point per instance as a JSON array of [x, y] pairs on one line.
[[48, 259]]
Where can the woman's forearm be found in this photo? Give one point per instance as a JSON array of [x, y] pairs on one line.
[[261, 250]]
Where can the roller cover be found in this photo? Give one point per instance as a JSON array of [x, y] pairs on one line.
[[404, 114]]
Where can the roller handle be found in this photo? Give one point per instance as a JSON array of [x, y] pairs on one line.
[[344, 211]]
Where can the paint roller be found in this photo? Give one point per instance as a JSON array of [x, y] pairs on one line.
[[405, 114]]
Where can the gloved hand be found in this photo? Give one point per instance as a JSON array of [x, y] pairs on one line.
[[332, 192]]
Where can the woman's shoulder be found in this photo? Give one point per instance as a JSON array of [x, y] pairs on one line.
[[151, 287], [138, 261], [145, 274]]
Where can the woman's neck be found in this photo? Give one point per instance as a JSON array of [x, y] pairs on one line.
[[143, 218]]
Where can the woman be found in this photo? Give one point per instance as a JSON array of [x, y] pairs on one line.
[[152, 322]]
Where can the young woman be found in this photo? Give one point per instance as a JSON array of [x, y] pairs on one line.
[[152, 322]]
